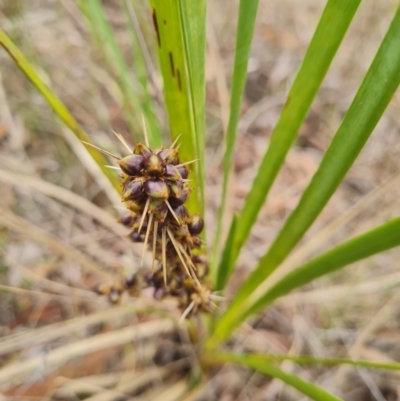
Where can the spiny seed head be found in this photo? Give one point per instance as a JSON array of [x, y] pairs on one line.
[[133, 191], [184, 172], [171, 173], [153, 165], [158, 209], [169, 156], [196, 225], [132, 164], [156, 189], [142, 149]]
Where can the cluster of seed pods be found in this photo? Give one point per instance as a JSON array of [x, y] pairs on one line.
[[155, 188]]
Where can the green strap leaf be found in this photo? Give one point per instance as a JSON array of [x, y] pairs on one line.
[[371, 100], [381, 238], [142, 68], [58, 107], [262, 365], [311, 360], [193, 17], [225, 268], [330, 31], [105, 39], [178, 90], [244, 36]]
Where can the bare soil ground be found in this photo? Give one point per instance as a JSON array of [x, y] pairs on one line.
[[59, 341]]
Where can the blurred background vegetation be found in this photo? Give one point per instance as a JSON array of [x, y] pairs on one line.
[[50, 240]]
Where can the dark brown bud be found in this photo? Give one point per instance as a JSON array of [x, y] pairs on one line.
[[171, 173], [196, 225], [153, 165], [169, 156], [184, 172], [127, 219], [136, 237], [133, 191], [158, 209], [141, 149], [132, 164], [156, 189], [176, 202], [182, 214]]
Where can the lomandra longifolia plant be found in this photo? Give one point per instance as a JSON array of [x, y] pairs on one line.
[[154, 181], [155, 189]]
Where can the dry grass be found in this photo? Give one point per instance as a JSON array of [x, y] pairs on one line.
[[59, 234]]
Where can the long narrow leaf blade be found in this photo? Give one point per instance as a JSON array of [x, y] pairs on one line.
[[261, 365], [371, 100], [381, 238], [311, 360], [328, 35], [177, 86], [106, 41], [142, 65], [224, 268], [58, 107], [244, 36], [193, 19]]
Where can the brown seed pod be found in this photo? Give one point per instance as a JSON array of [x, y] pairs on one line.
[[136, 237], [132, 164], [156, 189], [171, 173], [184, 172], [183, 214], [169, 156], [183, 197], [127, 219], [132, 190], [196, 224], [153, 166]]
